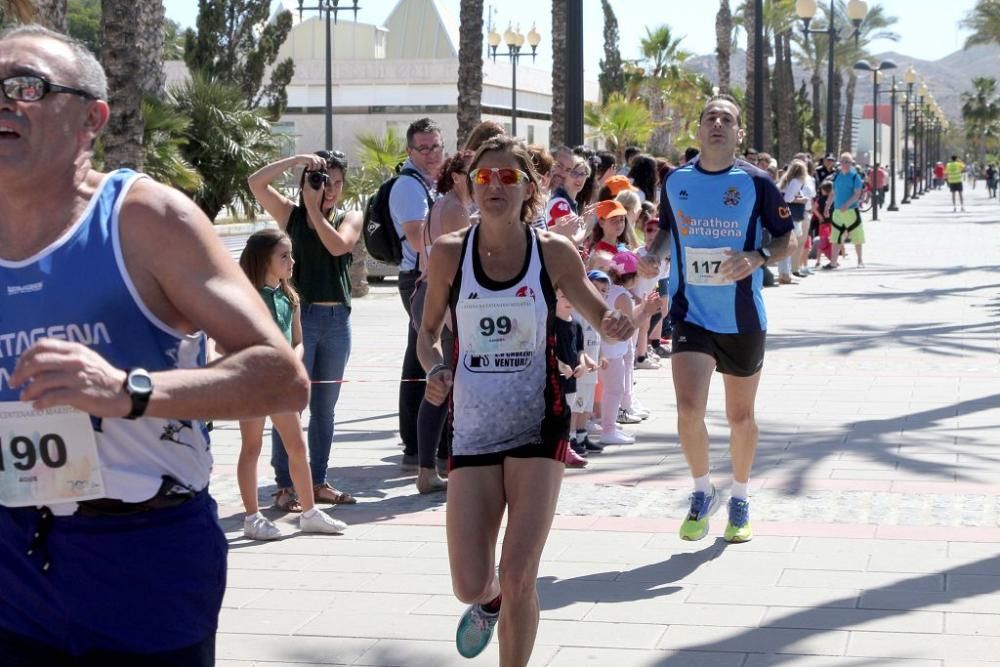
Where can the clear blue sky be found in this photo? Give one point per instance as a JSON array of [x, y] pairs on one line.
[[928, 28]]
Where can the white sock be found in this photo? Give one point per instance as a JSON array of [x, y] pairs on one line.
[[739, 490], [310, 513], [703, 484], [255, 515]]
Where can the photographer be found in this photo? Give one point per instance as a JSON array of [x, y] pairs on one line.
[[322, 240]]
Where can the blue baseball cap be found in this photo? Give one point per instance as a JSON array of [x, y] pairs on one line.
[[596, 274]]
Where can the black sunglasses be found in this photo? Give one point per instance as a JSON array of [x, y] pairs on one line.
[[336, 159], [32, 88]]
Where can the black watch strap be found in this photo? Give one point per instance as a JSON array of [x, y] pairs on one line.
[[764, 254], [139, 387]]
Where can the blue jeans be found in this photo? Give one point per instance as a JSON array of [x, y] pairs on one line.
[[326, 337]]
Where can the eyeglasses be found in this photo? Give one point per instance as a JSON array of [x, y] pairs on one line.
[[579, 173], [507, 176], [424, 150], [31, 88]]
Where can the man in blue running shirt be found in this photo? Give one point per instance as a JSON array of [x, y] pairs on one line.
[[713, 212], [111, 551]]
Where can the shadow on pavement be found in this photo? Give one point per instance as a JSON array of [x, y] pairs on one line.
[[843, 614], [642, 583]]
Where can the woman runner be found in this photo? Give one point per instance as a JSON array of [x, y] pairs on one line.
[[511, 422]]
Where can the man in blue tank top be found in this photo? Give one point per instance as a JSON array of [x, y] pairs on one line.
[[110, 547], [713, 214]]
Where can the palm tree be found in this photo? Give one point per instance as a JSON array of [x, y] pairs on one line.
[[470, 67], [52, 14], [557, 132], [227, 141], [121, 29], [984, 22], [164, 137], [149, 49], [620, 122], [723, 43], [981, 113], [663, 56]]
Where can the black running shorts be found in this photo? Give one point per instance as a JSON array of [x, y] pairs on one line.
[[555, 450], [955, 187], [740, 354]]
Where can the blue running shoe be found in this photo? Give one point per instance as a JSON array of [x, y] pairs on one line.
[[738, 529], [703, 505], [475, 630]]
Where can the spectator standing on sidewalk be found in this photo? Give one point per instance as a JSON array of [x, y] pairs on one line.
[[323, 238], [409, 205]]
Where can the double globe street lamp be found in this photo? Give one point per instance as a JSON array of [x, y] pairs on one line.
[[857, 10], [876, 71], [514, 41], [910, 79]]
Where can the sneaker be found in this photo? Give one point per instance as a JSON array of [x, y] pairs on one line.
[[321, 522], [661, 351], [475, 630], [625, 417], [619, 437], [738, 529], [594, 428], [259, 527], [410, 463], [574, 460], [639, 410], [647, 364], [695, 526], [578, 448], [592, 447]]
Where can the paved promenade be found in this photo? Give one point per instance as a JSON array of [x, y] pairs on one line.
[[875, 495]]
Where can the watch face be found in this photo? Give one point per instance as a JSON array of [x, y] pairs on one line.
[[139, 382]]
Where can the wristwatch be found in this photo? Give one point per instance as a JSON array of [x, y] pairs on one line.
[[139, 387], [765, 253]]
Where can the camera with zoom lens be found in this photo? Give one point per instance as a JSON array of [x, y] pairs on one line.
[[318, 179]]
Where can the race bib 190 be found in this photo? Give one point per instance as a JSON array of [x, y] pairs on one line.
[[497, 326], [703, 264], [47, 456]]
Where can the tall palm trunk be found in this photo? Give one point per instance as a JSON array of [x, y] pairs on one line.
[[786, 118], [817, 102], [121, 23], [149, 49], [768, 107], [557, 132], [724, 43], [470, 68], [749, 18], [846, 138], [52, 14], [838, 86]]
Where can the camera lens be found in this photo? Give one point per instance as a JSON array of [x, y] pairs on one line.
[[318, 179]]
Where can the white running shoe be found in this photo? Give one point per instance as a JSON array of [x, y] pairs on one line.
[[626, 417], [639, 410], [647, 364], [594, 428], [321, 522], [619, 437], [259, 527]]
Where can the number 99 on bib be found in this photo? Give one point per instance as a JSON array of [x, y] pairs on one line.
[[497, 326]]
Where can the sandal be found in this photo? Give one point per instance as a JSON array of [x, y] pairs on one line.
[[285, 500], [324, 493]]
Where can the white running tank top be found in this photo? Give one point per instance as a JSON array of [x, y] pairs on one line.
[[506, 392]]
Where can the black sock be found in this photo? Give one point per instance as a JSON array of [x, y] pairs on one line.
[[493, 606]]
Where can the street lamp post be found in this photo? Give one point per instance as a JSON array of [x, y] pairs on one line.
[[876, 71], [332, 9], [514, 41], [857, 10], [909, 79], [892, 146]]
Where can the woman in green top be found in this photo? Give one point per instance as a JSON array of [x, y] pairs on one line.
[[322, 240], [267, 261]]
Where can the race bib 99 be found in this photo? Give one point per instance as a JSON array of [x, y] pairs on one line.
[[47, 456], [497, 326]]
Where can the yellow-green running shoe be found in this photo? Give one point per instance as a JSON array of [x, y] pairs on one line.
[[738, 529], [703, 506]]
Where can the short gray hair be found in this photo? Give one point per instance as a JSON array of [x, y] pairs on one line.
[[90, 74]]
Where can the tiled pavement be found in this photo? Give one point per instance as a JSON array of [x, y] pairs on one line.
[[875, 496]]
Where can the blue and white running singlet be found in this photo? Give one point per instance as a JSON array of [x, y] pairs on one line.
[[707, 213]]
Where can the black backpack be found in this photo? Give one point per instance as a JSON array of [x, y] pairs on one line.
[[381, 239]]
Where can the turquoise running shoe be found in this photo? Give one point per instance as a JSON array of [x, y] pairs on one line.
[[738, 529], [703, 505], [475, 630]]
